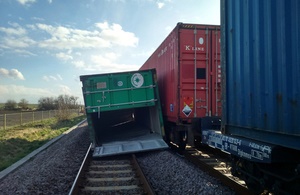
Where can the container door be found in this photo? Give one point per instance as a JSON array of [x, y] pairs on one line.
[[193, 93], [125, 147], [200, 72], [202, 94]]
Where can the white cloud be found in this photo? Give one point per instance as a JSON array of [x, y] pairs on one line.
[[19, 91], [52, 78], [78, 53], [13, 73], [106, 63], [38, 19], [117, 35], [24, 2], [13, 42], [49, 78], [169, 28], [79, 64], [160, 5], [70, 38], [105, 59], [64, 56], [18, 31], [65, 90], [16, 37], [101, 68], [102, 62], [24, 52], [65, 38], [79, 47], [46, 78], [59, 77]]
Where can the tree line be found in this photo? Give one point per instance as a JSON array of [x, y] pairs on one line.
[[45, 103]]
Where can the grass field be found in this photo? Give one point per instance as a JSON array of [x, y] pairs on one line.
[[17, 142], [13, 119], [31, 106]]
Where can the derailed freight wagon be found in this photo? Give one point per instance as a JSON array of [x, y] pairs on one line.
[[260, 49], [189, 77], [123, 112]]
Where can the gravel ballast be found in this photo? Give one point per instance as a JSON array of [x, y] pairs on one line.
[[169, 173], [53, 170]]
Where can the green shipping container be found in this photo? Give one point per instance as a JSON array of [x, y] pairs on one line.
[[123, 112]]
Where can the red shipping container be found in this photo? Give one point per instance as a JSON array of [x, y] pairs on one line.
[[188, 72]]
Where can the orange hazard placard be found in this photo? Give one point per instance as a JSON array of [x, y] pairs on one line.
[[188, 101]]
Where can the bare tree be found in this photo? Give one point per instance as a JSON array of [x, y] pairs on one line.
[[10, 105], [47, 103], [23, 104], [64, 104]]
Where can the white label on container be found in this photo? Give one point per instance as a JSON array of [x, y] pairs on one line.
[[201, 40], [120, 83], [137, 80]]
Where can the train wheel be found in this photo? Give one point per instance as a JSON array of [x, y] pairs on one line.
[[170, 134]]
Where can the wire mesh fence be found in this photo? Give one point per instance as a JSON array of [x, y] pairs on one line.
[[21, 118]]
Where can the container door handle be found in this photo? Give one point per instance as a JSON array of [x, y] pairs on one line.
[[103, 96]]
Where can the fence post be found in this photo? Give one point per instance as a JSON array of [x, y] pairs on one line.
[[42, 115], [33, 117], [21, 118], [4, 121]]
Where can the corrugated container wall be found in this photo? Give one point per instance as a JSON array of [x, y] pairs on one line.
[[120, 90], [123, 112], [260, 43], [189, 72]]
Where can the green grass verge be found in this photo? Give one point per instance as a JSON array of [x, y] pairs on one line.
[[17, 142]]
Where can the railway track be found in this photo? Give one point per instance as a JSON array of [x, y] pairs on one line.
[[218, 165], [110, 175]]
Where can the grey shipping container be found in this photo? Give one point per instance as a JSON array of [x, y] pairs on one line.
[[260, 60]]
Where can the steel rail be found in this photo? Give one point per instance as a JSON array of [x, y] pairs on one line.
[[74, 188], [209, 164], [146, 186]]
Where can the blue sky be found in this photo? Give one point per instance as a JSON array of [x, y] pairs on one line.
[[45, 45]]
